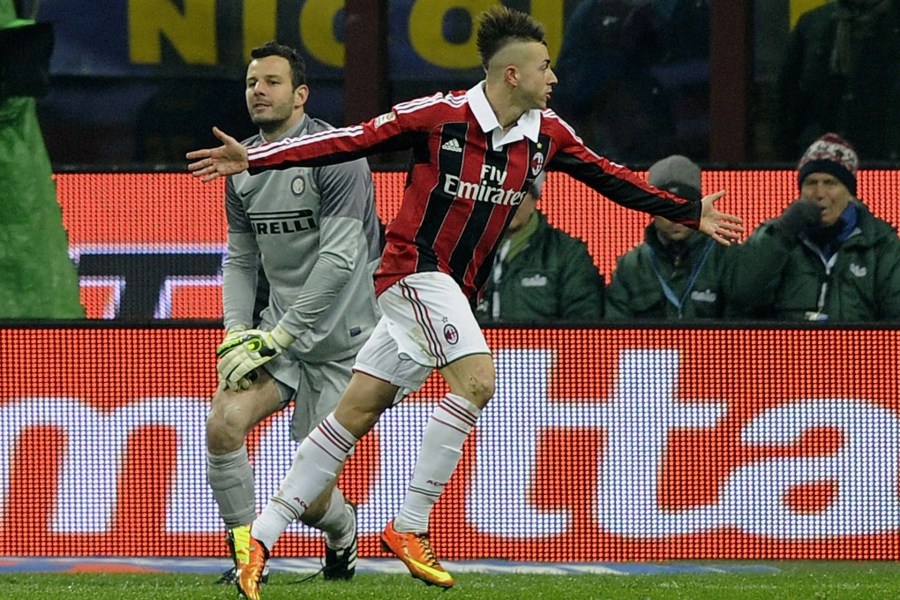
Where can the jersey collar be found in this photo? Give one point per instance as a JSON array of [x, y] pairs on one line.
[[528, 125]]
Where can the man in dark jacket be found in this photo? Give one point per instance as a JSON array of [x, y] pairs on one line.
[[841, 73], [826, 258], [673, 274], [541, 274]]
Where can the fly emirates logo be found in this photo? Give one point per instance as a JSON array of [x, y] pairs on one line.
[[625, 482], [489, 189]]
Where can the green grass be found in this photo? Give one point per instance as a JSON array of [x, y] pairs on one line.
[[793, 581]]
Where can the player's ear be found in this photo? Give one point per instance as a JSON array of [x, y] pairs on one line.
[[301, 94], [511, 75]]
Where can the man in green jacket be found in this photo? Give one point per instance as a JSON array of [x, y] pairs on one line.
[[541, 274], [826, 258], [674, 273]]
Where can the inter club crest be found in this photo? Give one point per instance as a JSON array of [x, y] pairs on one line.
[[451, 334]]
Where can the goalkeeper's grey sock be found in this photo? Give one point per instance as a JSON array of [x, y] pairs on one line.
[[337, 522], [316, 466], [231, 478], [445, 434]]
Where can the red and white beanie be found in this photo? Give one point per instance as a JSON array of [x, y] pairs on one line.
[[830, 154]]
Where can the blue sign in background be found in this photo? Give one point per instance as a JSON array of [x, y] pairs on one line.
[[428, 39]]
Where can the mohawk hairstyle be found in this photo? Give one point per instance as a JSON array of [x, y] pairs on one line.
[[500, 25], [295, 60]]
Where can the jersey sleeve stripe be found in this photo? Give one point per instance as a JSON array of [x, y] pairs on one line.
[[267, 150]]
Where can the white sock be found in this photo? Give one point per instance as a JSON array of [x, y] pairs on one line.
[[318, 461], [336, 522], [447, 429]]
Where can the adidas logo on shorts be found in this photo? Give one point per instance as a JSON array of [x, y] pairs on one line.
[[451, 145]]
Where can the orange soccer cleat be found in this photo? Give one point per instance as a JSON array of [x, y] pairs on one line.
[[250, 570], [238, 541], [414, 549]]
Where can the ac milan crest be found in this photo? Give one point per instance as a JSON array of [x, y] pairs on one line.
[[451, 334], [537, 163]]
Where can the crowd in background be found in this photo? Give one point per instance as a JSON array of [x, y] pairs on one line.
[[634, 81], [825, 258]]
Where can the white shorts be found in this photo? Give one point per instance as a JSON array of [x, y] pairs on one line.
[[427, 324]]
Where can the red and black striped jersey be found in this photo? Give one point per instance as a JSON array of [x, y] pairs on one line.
[[466, 179]]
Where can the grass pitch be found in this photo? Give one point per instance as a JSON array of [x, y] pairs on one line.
[[792, 581]]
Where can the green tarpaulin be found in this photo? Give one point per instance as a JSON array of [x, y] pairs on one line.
[[37, 278]]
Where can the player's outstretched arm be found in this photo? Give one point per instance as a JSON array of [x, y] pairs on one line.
[[722, 227], [227, 159]]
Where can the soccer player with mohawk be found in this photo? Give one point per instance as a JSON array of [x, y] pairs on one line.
[[475, 154]]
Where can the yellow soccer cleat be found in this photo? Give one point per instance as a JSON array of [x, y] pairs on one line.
[[414, 549], [238, 537], [250, 573]]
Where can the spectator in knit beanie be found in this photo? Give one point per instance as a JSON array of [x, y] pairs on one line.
[[833, 155], [826, 257]]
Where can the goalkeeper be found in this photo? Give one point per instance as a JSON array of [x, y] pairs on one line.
[[316, 233]]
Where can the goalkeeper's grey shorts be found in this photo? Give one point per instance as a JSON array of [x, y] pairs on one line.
[[315, 388]]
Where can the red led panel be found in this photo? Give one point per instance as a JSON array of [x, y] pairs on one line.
[[600, 445], [124, 223]]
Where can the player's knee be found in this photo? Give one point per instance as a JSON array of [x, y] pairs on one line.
[[359, 419], [487, 390], [476, 381], [363, 403], [224, 434], [481, 389]]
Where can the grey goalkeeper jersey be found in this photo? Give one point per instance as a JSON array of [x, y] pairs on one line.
[[316, 232]]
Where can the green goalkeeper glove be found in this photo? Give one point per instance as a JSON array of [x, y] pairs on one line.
[[228, 343], [240, 354], [230, 334]]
